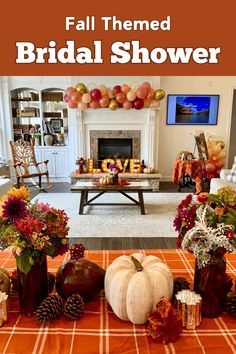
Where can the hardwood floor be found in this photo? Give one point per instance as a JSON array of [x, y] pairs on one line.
[[116, 243], [123, 242]]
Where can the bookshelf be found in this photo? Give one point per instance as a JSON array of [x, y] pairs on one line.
[[38, 113]]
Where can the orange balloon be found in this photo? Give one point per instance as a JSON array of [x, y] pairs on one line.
[[210, 167], [104, 101], [94, 104], [127, 104], [146, 85], [120, 97], [125, 89], [75, 97], [146, 102], [72, 104], [151, 94], [220, 164], [70, 90], [141, 92]]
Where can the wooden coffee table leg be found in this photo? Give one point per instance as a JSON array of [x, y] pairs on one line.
[[141, 203], [82, 199]]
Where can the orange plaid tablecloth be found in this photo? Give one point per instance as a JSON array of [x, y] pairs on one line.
[[193, 168], [99, 331]]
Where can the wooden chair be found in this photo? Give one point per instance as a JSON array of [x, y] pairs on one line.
[[26, 166]]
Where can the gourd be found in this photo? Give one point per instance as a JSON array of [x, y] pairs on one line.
[[80, 276], [5, 283], [148, 170], [105, 181], [135, 284]]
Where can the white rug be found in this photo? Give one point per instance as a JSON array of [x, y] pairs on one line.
[[118, 221]]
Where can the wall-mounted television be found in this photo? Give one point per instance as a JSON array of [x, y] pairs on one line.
[[192, 109]]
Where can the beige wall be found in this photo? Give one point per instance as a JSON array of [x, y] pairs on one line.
[[173, 139]]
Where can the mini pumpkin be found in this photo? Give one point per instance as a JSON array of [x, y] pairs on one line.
[[135, 284], [105, 181], [5, 282], [148, 170]]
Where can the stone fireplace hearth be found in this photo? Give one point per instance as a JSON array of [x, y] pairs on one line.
[[140, 126]]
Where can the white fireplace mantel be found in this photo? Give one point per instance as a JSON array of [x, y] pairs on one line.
[[144, 120]]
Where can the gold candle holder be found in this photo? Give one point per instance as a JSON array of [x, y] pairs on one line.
[[3, 308], [189, 304]]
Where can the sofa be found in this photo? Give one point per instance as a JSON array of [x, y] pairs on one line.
[[221, 182]]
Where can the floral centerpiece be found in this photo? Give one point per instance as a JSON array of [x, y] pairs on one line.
[[31, 229], [113, 172], [206, 226], [81, 162]]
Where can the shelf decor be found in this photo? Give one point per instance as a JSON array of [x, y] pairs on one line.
[[32, 231], [124, 96], [206, 226]]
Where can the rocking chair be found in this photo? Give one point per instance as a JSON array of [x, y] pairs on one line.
[[26, 166]]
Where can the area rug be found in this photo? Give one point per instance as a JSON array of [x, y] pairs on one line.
[[118, 221]]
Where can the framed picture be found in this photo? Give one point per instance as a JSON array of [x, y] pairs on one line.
[[201, 144], [57, 124], [192, 109]]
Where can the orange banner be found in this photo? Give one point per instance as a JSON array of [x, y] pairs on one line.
[[117, 38]]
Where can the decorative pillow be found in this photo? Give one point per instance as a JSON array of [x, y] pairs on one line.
[[232, 175]]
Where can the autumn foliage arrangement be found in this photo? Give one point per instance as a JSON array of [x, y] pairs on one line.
[[206, 224], [31, 229]]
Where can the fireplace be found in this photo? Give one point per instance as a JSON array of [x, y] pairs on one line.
[[115, 148], [139, 126], [115, 144]]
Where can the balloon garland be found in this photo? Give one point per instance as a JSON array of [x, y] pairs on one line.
[[125, 96], [216, 152]]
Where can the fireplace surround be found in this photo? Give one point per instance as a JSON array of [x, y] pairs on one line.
[[140, 126]]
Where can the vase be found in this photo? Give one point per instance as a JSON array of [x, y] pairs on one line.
[[115, 179], [33, 286], [37, 141], [48, 139], [210, 282]]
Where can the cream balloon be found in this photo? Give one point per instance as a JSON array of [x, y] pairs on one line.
[[154, 104], [103, 89], [135, 85], [86, 98], [131, 95], [82, 106], [125, 89], [91, 86]]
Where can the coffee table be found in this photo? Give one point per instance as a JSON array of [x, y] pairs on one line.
[[89, 187]]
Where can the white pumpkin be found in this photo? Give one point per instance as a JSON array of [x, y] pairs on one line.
[[135, 284], [148, 170]]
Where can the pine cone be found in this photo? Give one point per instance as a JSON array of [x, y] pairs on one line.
[[49, 309], [230, 304], [180, 284], [74, 307], [77, 251]]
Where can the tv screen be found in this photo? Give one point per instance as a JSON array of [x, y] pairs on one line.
[[192, 109]]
